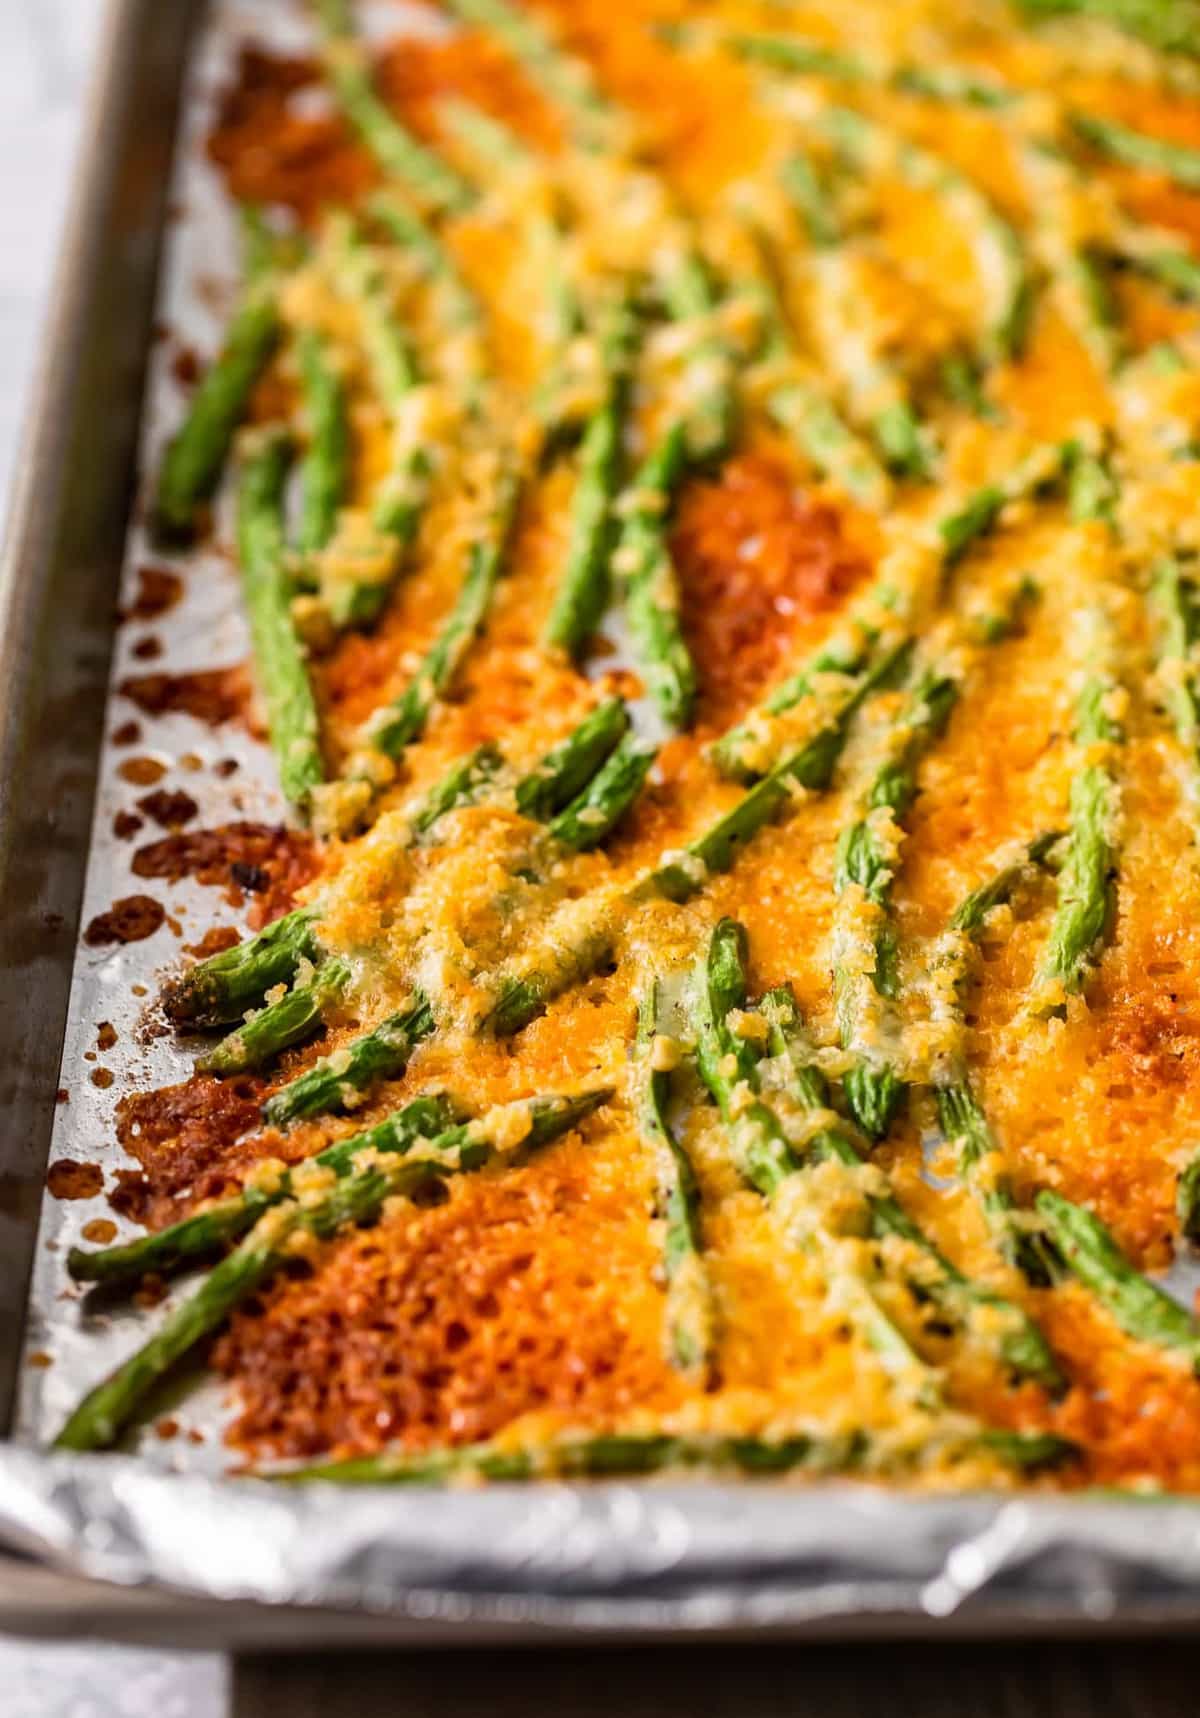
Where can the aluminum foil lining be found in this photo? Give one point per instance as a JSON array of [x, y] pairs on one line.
[[653, 1558]]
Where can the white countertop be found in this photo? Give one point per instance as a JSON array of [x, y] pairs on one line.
[[45, 53]]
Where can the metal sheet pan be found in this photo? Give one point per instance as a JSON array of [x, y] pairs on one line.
[[191, 1555]]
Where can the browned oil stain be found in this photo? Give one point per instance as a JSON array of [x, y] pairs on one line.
[[158, 590], [215, 941], [185, 366], [68, 1179], [170, 808], [267, 860], [100, 1231], [129, 920], [142, 771], [213, 695]]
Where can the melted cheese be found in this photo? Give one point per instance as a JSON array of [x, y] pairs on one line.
[[1086, 1102]]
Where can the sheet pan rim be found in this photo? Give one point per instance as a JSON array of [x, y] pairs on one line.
[[99, 1519]]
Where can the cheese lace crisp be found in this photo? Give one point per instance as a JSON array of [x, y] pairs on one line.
[[901, 483]]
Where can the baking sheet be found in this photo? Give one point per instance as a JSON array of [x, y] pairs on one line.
[[653, 1559]]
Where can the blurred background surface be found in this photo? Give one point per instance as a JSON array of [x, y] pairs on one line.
[[46, 48]]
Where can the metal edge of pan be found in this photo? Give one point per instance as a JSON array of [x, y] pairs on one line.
[[58, 582]]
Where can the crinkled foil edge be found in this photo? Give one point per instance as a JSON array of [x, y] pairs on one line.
[[605, 1558]]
